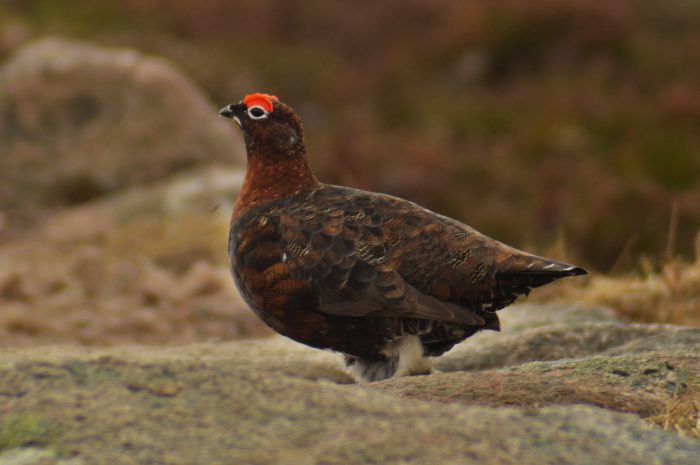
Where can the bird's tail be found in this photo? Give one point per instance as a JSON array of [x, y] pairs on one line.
[[524, 272]]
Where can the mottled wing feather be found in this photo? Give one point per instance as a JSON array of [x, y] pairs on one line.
[[343, 250]]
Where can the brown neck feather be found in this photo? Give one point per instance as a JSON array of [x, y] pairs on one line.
[[269, 178]]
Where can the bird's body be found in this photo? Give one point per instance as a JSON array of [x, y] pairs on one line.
[[378, 278]]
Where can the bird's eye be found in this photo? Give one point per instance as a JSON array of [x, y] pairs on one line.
[[257, 112]]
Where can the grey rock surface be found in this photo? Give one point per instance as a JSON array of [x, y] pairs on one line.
[[552, 332], [274, 401]]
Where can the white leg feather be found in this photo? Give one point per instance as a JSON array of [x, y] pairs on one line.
[[403, 357], [411, 360]]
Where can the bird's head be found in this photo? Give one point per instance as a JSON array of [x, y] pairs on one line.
[[269, 126]]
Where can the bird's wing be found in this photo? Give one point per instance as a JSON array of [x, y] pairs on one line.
[[341, 247], [375, 255]]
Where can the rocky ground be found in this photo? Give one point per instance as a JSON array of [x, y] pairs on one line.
[[549, 390], [120, 329]]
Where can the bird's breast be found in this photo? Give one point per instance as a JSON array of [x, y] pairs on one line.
[[281, 296]]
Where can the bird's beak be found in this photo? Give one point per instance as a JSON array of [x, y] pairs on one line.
[[227, 111], [230, 111]]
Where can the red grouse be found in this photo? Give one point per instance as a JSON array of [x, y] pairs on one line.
[[380, 279]]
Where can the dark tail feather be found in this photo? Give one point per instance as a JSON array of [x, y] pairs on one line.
[[519, 273], [528, 272]]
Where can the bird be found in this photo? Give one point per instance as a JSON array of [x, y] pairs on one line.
[[385, 282]]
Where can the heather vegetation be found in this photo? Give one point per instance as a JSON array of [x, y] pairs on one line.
[[536, 122]]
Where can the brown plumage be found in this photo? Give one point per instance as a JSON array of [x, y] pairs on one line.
[[378, 278]]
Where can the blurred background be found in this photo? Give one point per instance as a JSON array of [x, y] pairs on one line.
[[568, 128]]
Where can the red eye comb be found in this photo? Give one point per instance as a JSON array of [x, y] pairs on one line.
[[261, 100]]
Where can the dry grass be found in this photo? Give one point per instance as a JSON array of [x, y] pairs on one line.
[[668, 293], [671, 295], [682, 415]]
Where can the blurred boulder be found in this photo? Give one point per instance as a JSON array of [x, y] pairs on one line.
[[78, 121], [179, 219]]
